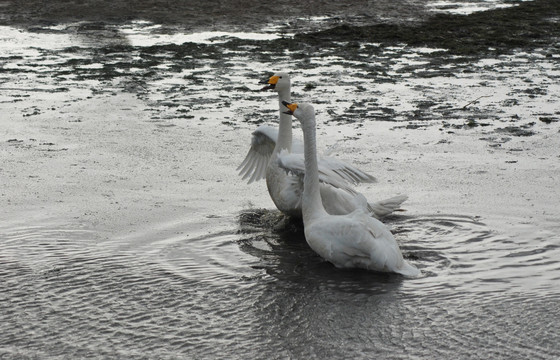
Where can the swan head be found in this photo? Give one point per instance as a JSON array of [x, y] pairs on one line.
[[304, 112], [278, 82]]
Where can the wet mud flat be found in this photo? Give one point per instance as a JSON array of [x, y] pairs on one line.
[[196, 15], [527, 25], [123, 215]]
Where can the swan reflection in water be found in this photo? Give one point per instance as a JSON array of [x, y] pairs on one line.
[[279, 244]]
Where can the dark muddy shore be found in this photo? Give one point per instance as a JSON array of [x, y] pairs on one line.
[[203, 15], [526, 25]]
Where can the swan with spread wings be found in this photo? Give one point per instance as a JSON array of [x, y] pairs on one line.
[[269, 145]]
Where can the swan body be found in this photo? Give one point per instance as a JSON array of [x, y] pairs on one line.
[[354, 240], [340, 198], [274, 150]]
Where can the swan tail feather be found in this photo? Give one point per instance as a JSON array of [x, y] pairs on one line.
[[407, 269], [385, 207]]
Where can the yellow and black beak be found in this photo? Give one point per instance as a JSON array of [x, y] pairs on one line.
[[271, 83], [291, 107]]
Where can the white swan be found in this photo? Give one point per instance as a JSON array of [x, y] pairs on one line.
[[268, 145], [354, 240], [267, 140]]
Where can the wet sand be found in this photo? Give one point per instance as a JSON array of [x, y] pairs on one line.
[[96, 154], [104, 161]]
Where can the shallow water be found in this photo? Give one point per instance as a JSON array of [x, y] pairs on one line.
[[214, 279], [248, 289]]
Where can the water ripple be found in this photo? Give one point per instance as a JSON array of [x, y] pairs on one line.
[[254, 288]]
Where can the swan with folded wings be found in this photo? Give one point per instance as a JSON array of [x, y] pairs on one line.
[[353, 240], [269, 144]]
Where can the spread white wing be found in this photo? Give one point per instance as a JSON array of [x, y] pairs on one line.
[[256, 161], [345, 170], [263, 141], [329, 168], [295, 164]]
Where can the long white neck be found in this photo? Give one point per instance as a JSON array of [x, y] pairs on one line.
[[312, 204], [284, 140]]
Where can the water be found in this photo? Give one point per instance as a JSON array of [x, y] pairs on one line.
[[249, 290], [126, 232]]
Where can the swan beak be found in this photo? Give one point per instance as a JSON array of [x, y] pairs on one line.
[[291, 107], [271, 83]]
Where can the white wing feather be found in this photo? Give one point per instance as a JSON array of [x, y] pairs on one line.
[[339, 167], [346, 171], [295, 164], [254, 165], [385, 207], [263, 141], [331, 171]]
